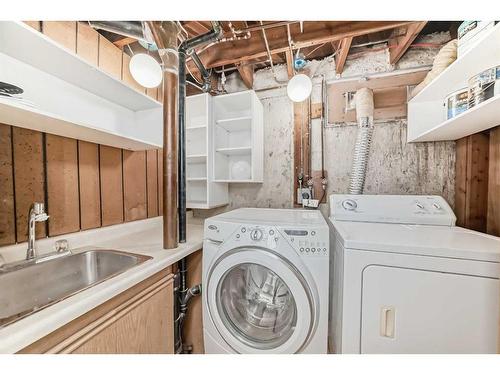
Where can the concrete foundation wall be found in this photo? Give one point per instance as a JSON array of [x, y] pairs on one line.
[[395, 167]]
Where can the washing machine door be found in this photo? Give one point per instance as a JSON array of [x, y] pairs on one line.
[[259, 302]]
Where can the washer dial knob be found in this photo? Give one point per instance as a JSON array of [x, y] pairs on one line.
[[349, 204], [256, 234]]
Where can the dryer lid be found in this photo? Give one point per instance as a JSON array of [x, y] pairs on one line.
[[428, 240]]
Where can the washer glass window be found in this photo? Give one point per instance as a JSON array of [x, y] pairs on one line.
[[257, 306]]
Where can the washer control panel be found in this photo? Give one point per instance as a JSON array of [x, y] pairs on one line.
[[401, 209], [306, 242]]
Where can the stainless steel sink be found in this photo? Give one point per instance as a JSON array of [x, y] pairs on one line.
[[34, 287]]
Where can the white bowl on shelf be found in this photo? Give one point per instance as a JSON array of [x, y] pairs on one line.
[[240, 170]]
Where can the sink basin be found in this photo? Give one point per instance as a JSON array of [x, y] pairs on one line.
[[37, 286]]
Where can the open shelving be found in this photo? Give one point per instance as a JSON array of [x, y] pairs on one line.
[[70, 96], [426, 113], [238, 138], [27, 45], [17, 114], [201, 191]]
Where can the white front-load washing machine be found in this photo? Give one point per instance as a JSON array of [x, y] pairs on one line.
[[405, 279], [265, 280]]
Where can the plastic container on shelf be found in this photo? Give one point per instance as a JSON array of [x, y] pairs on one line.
[[484, 86], [456, 103]]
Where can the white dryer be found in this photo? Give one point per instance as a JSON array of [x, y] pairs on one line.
[[265, 279], [407, 280]]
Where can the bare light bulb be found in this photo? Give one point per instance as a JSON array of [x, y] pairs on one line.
[[299, 88], [145, 70]]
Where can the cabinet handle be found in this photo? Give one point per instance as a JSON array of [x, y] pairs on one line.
[[387, 319]]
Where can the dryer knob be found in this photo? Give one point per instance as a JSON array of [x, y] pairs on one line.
[[349, 204]]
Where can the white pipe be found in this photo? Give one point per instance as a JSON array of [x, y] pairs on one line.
[[364, 115]]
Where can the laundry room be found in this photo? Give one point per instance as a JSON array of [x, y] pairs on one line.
[[226, 183]]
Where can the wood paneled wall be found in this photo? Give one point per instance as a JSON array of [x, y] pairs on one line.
[[83, 185], [477, 191]]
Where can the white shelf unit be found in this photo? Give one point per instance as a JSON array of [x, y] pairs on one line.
[[201, 190], [238, 138], [426, 112], [71, 97]]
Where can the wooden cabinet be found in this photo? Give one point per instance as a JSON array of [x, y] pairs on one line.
[[139, 320]]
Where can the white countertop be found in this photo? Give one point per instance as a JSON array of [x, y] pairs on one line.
[[141, 237]]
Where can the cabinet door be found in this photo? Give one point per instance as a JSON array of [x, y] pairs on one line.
[[146, 327], [415, 311]]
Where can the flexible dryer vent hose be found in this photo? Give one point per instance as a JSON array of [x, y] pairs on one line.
[[364, 116]]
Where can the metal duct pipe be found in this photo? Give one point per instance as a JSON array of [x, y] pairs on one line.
[[364, 115], [133, 29], [205, 74], [165, 36], [184, 49]]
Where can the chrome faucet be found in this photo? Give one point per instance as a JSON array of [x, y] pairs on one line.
[[37, 213]]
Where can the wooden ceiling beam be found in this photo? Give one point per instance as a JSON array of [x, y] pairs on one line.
[[399, 45], [341, 57], [314, 33], [120, 43], [246, 73], [289, 63], [195, 27]]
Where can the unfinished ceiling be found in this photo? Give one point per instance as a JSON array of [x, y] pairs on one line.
[[250, 45]]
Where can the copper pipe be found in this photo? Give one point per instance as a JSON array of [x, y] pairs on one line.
[[170, 94], [165, 35], [264, 26]]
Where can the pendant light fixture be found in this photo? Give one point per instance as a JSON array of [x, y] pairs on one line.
[[144, 68], [299, 87]]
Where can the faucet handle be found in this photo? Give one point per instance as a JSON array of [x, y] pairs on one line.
[[61, 246]]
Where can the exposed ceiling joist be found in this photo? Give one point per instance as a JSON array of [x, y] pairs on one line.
[[341, 57], [400, 45], [246, 73], [195, 27], [289, 63], [314, 33], [120, 43]]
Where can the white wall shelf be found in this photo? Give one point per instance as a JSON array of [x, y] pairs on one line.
[[71, 97], [25, 44], [236, 124], [201, 190], [235, 150], [24, 116], [426, 112], [196, 158], [238, 138], [484, 116]]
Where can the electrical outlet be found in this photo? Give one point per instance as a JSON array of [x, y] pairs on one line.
[[303, 193]]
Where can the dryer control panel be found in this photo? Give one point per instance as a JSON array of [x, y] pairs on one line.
[[401, 209]]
